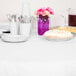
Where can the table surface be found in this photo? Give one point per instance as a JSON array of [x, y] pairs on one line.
[[38, 57], [37, 48]]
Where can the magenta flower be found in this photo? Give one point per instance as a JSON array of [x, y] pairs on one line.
[[40, 11], [45, 11], [50, 10]]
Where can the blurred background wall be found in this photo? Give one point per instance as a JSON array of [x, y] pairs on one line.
[[60, 8]]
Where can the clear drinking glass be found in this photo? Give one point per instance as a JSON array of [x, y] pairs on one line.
[[25, 27], [25, 20], [72, 17]]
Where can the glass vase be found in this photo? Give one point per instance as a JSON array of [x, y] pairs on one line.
[[43, 24]]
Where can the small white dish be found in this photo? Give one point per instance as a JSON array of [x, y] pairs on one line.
[[4, 27], [13, 38], [2, 31]]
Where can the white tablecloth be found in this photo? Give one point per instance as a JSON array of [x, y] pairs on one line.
[[38, 57]]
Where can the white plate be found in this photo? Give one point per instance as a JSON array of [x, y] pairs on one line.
[[58, 39], [14, 38]]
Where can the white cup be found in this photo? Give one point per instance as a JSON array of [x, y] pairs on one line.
[[14, 28], [25, 29]]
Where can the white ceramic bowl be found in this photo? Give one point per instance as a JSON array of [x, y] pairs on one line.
[[14, 38]]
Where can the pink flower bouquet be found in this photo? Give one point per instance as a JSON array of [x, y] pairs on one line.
[[44, 11]]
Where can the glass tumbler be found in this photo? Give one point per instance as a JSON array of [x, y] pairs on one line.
[[72, 17], [25, 28]]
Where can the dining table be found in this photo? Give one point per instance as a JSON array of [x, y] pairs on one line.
[[38, 57]]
